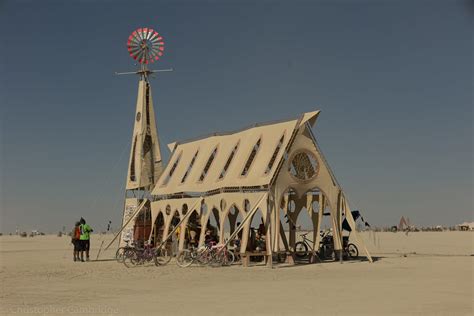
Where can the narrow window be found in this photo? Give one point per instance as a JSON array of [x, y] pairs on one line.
[[147, 144], [208, 165], [251, 158], [147, 103], [148, 153], [190, 167], [132, 163], [275, 154], [173, 168], [229, 160]]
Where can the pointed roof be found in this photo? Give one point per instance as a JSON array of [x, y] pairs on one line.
[[245, 158]]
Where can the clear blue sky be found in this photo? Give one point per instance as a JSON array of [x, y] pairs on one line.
[[393, 80]]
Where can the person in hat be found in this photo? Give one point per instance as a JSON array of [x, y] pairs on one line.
[[85, 238]]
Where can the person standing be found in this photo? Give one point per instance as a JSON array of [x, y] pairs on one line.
[[75, 240], [85, 238]]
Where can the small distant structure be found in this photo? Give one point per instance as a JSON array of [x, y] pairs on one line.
[[466, 226], [36, 233], [404, 226]]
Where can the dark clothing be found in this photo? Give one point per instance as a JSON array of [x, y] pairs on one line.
[[86, 244], [261, 229], [209, 239], [77, 244], [82, 245]]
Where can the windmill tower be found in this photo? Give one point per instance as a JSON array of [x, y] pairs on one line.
[[145, 164]]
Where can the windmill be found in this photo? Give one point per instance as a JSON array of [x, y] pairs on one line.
[[146, 46]]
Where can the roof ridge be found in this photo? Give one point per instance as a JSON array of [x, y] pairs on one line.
[[214, 134]]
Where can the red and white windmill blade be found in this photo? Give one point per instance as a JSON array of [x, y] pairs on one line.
[[145, 45]]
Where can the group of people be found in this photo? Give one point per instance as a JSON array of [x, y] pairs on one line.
[[80, 238]]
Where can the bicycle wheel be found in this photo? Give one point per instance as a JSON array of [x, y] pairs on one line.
[[119, 254], [130, 258], [352, 251], [228, 258], [203, 257], [184, 259], [161, 257], [301, 250], [216, 258], [236, 255]]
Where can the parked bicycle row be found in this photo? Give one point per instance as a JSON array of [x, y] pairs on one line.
[[212, 254], [215, 254]]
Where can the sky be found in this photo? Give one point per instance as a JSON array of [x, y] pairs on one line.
[[393, 81]]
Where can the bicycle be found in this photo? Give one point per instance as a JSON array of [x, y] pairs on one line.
[[221, 255], [137, 256], [189, 256], [326, 247], [120, 251], [302, 247], [211, 254]]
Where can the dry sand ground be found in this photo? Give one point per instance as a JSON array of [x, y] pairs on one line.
[[38, 276]]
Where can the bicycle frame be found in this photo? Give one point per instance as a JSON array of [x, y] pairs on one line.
[[308, 242]]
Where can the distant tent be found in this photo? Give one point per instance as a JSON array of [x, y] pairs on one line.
[[403, 224], [466, 226]]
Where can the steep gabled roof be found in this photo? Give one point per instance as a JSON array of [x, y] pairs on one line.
[[247, 158]]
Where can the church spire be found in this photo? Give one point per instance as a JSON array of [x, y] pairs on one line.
[[145, 164]]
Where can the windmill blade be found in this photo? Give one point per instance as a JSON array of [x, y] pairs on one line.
[[134, 50], [154, 55], [139, 32], [154, 36], [156, 39], [136, 36], [139, 56], [148, 34], [142, 34], [132, 41], [145, 45]]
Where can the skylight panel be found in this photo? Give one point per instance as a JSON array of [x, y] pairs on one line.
[[189, 167], [229, 160], [251, 158], [208, 165], [173, 168], [275, 154]]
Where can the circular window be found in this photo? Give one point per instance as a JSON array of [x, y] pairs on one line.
[[303, 166], [168, 210]]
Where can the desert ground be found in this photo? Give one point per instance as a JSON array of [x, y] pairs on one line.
[[422, 273]]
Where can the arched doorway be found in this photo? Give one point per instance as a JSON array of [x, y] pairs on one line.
[[142, 226], [288, 215], [192, 230], [210, 229], [158, 229], [233, 220], [174, 239], [257, 233]]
